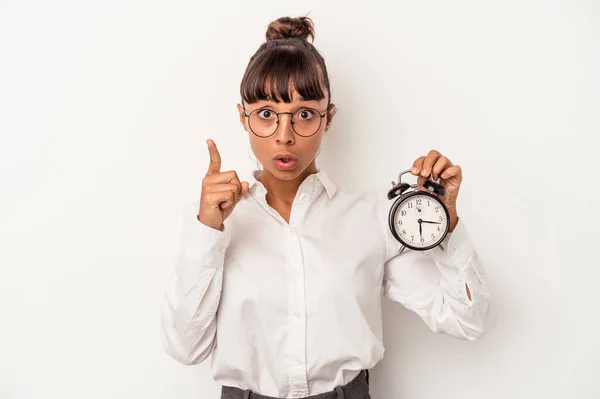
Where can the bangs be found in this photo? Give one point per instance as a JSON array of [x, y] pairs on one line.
[[274, 74]]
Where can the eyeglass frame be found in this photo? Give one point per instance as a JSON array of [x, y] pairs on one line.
[[291, 120]]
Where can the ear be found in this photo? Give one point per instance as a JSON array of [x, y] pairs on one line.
[[242, 117], [330, 112]]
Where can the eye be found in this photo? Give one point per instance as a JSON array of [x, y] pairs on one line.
[[306, 114], [266, 114]]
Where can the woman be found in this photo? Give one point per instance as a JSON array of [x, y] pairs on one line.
[[280, 276]]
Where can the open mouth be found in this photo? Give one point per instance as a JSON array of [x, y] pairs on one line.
[[285, 163]]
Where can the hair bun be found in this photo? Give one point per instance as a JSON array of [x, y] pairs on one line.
[[286, 27]]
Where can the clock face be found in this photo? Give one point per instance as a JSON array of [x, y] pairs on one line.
[[420, 221]]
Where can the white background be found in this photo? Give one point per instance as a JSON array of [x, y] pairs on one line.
[[104, 112]]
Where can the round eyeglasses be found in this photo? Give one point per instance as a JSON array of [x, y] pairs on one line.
[[263, 122]]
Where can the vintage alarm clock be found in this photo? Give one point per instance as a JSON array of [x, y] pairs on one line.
[[418, 219]]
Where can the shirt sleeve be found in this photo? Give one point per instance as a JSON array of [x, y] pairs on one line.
[[192, 295], [431, 283]]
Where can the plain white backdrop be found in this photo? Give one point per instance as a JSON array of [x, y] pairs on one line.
[[104, 112]]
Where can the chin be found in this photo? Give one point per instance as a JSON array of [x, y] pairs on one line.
[[286, 174]]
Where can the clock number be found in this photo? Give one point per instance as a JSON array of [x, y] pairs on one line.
[[412, 238], [422, 239], [440, 218], [419, 201], [433, 236], [437, 208], [410, 205], [403, 232], [399, 222], [403, 213]]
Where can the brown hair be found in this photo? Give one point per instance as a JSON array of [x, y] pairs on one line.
[[287, 57]]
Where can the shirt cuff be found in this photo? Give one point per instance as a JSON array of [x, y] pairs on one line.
[[201, 243], [457, 247], [454, 261]]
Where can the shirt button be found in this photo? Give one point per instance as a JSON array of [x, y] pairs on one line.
[[297, 314], [297, 360], [303, 196]]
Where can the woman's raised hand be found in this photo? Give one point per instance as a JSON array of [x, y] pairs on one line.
[[221, 191]]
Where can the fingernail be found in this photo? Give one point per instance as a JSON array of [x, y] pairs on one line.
[[424, 173], [415, 170]]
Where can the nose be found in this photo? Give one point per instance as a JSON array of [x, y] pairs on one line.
[[285, 132]]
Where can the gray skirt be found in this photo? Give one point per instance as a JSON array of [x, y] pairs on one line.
[[358, 388]]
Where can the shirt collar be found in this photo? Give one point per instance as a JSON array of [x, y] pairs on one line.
[[310, 183]]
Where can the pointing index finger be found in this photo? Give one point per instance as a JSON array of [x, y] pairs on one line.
[[215, 158]]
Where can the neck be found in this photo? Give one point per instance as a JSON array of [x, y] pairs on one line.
[[283, 192]]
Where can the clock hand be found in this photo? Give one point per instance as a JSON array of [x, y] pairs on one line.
[[427, 221], [421, 228]]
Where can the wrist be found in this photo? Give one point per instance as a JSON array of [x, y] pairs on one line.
[[212, 227], [453, 219]]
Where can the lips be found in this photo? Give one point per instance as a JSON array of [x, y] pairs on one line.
[[285, 163], [285, 157]]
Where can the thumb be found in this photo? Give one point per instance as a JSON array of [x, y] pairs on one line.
[[245, 188], [420, 181]]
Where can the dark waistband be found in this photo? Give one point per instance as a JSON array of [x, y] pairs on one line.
[[358, 388]]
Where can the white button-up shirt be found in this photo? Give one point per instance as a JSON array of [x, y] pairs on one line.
[[292, 310]]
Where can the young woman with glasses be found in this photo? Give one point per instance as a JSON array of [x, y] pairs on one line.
[[285, 293]]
